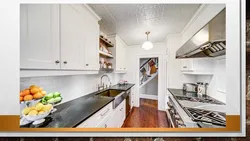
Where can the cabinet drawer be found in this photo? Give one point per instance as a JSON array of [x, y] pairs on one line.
[[98, 117]]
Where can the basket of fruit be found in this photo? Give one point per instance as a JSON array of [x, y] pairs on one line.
[[37, 112], [32, 93]]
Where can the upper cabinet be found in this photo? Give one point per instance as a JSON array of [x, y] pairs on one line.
[[39, 36], [72, 37], [197, 66], [120, 55], [62, 37], [91, 31], [119, 52]]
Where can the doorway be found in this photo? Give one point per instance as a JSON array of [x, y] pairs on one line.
[[159, 67], [148, 78]]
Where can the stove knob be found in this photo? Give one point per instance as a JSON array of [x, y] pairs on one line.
[[172, 111], [179, 122], [169, 104], [176, 116]]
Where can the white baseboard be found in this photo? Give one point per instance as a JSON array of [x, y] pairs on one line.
[[147, 96]]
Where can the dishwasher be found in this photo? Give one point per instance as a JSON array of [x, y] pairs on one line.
[[128, 104]]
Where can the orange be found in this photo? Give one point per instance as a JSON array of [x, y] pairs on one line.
[[28, 97], [34, 90], [32, 86], [41, 89], [21, 98], [21, 93], [37, 95], [25, 92], [43, 93]]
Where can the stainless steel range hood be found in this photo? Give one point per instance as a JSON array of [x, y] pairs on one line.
[[210, 41]]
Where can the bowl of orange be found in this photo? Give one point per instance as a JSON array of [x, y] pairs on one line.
[[32, 93]]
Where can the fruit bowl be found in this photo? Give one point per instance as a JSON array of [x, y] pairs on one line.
[[37, 117]]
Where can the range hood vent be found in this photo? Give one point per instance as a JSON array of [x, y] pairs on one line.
[[210, 41]]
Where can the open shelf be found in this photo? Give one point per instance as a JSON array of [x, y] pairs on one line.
[[106, 42], [106, 69], [105, 54]]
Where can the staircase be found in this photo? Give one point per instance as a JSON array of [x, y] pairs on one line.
[[145, 69]]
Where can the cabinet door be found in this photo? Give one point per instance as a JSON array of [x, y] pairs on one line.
[[39, 36], [72, 37], [186, 64], [124, 57], [91, 43], [119, 55]]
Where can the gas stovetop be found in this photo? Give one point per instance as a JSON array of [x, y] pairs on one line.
[[202, 100], [213, 117]]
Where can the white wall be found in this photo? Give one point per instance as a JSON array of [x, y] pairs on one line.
[[175, 78], [71, 87], [217, 85], [151, 88]]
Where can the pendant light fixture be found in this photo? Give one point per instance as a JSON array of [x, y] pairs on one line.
[[147, 45]]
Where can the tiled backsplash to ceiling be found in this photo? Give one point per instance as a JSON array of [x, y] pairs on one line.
[[70, 87]]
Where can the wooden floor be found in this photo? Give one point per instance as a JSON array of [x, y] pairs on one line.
[[146, 115]]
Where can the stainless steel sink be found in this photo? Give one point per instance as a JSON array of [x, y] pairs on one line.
[[117, 94], [110, 93]]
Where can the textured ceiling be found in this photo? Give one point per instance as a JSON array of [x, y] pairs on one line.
[[131, 21]]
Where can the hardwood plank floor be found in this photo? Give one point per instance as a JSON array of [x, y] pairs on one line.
[[147, 115]]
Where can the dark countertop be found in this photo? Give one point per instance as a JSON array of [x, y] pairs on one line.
[[72, 113], [122, 87], [180, 92]]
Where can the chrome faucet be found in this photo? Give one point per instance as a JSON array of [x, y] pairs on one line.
[[102, 84]]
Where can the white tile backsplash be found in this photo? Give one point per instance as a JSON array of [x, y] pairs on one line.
[[70, 87]]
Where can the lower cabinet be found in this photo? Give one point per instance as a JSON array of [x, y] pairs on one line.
[[117, 117], [98, 118], [107, 117]]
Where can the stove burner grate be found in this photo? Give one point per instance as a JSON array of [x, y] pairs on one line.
[[203, 100], [213, 117]]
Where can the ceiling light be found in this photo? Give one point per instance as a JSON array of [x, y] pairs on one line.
[[147, 45]]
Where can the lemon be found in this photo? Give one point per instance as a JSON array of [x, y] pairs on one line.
[[33, 113], [26, 110], [39, 106], [40, 112]]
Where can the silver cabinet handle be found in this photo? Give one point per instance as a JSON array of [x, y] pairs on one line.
[[65, 62], [87, 64], [184, 66], [57, 61]]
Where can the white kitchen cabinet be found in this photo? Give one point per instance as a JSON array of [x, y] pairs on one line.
[[120, 55], [99, 118], [118, 116], [119, 52], [106, 117], [63, 37], [72, 37], [39, 36], [197, 66], [91, 31]]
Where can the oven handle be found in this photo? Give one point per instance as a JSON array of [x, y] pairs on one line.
[[171, 120]]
